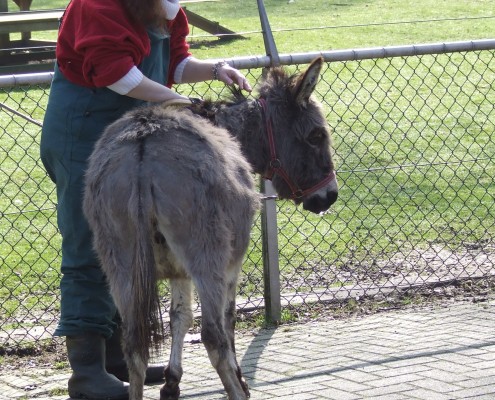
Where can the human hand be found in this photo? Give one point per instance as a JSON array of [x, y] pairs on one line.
[[229, 75], [178, 102]]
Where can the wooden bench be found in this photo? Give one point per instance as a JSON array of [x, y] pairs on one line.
[[28, 55], [27, 22], [207, 25]]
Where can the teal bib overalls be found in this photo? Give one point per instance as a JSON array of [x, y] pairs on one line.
[[75, 118]]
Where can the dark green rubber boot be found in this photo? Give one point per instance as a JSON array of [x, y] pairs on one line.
[[89, 378], [116, 365]]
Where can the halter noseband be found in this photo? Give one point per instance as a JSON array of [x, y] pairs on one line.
[[276, 164]]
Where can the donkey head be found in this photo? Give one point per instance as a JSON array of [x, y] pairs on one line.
[[301, 166]]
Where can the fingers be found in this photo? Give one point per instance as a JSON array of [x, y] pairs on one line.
[[230, 76], [241, 81], [243, 84]]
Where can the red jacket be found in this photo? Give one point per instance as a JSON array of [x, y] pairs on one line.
[[98, 44]]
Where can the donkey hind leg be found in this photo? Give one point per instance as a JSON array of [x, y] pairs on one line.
[[181, 319], [230, 321], [213, 297]]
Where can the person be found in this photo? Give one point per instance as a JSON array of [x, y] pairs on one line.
[[111, 56]]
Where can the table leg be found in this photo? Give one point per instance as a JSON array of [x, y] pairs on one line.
[[4, 37], [24, 5]]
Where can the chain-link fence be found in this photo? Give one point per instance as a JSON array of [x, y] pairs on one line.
[[414, 142]]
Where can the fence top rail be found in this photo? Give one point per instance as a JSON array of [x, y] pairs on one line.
[[39, 78], [368, 53], [305, 58]]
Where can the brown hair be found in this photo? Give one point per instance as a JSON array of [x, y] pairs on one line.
[[149, 13]]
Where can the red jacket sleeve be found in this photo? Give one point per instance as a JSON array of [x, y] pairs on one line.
[[98, 44], [179, 49]]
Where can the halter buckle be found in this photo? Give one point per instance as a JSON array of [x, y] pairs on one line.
[[275, 164]]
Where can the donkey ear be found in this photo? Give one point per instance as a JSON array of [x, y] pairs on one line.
[[307, 81]]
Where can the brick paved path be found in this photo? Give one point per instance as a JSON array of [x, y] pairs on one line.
[[438, 353]]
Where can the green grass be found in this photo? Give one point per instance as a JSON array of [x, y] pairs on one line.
[[30, 242], [431, 114], [351, 23]]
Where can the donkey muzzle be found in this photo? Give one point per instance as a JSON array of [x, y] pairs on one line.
[[322, 199]]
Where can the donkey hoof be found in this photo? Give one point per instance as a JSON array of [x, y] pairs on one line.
[[169, 393], [242, 381], [245, 388]]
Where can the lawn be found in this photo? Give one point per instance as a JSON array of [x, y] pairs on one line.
[[315, 25], [413, 140]]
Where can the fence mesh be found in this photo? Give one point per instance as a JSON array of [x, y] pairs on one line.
[[414, 143]]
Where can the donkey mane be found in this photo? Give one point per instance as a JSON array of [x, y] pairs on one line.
[[276, 85], [208, 108]]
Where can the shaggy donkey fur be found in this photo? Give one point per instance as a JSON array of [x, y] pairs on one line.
[[170, 195]]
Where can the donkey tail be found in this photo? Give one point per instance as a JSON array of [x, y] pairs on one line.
[[146, 328]]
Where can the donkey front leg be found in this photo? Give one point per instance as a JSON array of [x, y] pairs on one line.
[[213, 296], [181, 319]]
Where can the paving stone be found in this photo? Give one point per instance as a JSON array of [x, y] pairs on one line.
[[385, 390], [403, 370], [434, 353], [337, 394], [348, 386], [356, 375], [424, 394], [476, 391]]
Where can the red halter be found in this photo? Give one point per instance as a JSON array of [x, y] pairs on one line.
[[276, 164]]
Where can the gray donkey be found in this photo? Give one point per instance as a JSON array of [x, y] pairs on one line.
[[170, 195]]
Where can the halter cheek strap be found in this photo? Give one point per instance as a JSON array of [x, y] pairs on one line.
[[275, 165]]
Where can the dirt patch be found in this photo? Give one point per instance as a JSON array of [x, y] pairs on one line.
[[437, 264], [432, 277]]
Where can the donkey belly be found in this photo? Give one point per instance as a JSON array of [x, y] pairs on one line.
[[167, 265]]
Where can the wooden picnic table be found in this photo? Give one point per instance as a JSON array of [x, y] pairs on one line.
[[24, 5], [26, 54], [26, 21], [18, 55], [205, 24]]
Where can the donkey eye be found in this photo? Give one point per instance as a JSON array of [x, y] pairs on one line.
[[316, 137]]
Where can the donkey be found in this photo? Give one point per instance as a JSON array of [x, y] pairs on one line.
[[170, 194]]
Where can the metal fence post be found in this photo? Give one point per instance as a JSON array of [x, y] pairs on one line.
[[270, 46], [271, 271], [269, 230]]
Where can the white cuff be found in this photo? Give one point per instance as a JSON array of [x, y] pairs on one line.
[[179, 70], [128, 82]]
